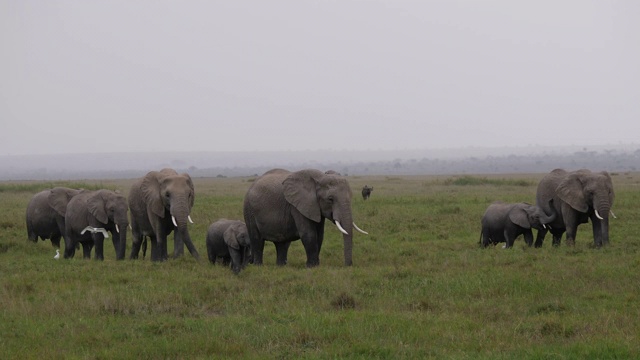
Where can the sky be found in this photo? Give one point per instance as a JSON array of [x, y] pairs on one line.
[[148, 76]]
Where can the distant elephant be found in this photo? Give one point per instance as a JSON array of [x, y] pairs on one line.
[[229, 239], [45, 214], [504, 222], [160, 203], [366, 192], [283, 206], [90, 216], [578, 196]]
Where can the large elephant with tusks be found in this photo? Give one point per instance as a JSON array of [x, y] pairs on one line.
[[578, 196], [283, 206], [161, 202]]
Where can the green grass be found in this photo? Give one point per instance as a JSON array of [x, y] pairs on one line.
[[420, 286]]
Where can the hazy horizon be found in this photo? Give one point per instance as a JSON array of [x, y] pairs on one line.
[[164, 76]]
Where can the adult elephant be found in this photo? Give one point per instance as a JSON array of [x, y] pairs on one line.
[[160, 203], [577, 197], [283, 206], [504, 222], [90, 217], [45, 214], [229, 239]]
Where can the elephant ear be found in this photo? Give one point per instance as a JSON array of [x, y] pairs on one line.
[[570, 191], [151, 192], [96, 207], [231, 237], [58, 200], [300, 191], [518, 216]]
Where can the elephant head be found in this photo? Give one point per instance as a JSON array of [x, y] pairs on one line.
[[530, 216], [59, 198], [590, 193], [168, 194], [110, 209], [317, 195], [236, 236]]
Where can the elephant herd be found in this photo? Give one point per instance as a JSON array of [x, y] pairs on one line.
[[563, 201], [280, 206]]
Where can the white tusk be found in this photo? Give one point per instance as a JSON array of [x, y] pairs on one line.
[[612, 214], [189, 217], [341, 229], [357, 228], [117, 229], [173, 218], [544, 226], [598, 216]]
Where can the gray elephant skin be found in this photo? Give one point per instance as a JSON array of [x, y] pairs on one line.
[[100, 209], [45, 214], [161, 203], [366, 192], [229, 239], [283, 206], [578, 196], [504, 222]]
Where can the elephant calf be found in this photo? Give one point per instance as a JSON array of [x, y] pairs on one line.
[[504, 222], [229, 239]]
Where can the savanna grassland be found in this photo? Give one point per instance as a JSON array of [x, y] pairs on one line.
[[420, 286]]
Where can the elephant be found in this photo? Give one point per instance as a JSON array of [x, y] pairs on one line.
[[161, 202], [90, 216], [229, 239], [45, 214], [283, 206], [504, 222], [578, 196], [366, 192]]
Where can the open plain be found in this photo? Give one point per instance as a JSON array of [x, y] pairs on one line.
[[420, 286]]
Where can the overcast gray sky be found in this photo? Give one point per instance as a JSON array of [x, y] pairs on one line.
[[105, 76]]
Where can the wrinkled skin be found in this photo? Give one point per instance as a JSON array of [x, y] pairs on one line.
[[576, 197], [366, 192], [154, 199], [45, 214], [229, 239], [283, 206], [99, 209], [504, 222]]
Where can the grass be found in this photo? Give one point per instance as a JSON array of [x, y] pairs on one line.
[[420, 286]]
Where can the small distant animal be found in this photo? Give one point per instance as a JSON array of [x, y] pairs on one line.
[[366, 192], [332, 172], [57, 254]]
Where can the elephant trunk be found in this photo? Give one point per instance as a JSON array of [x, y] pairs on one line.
[[602, 209], [180, 217], [121, 231], [547, 219], [345, 220]]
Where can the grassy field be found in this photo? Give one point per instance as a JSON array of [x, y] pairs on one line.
[[420, 286]]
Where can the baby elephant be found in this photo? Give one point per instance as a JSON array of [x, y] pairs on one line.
[[229, 239], [366, 192], [503, 222]]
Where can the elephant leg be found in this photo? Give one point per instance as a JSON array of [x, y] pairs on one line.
[[135, 245], [86, 249], [508, 239], [157, 247], [310, 242], [486, 237], [55, 241], [144, 247], [282, 249], [540, 237], [69, 247], [211, 253], [320, 232], [98, 240], [528, 237]]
